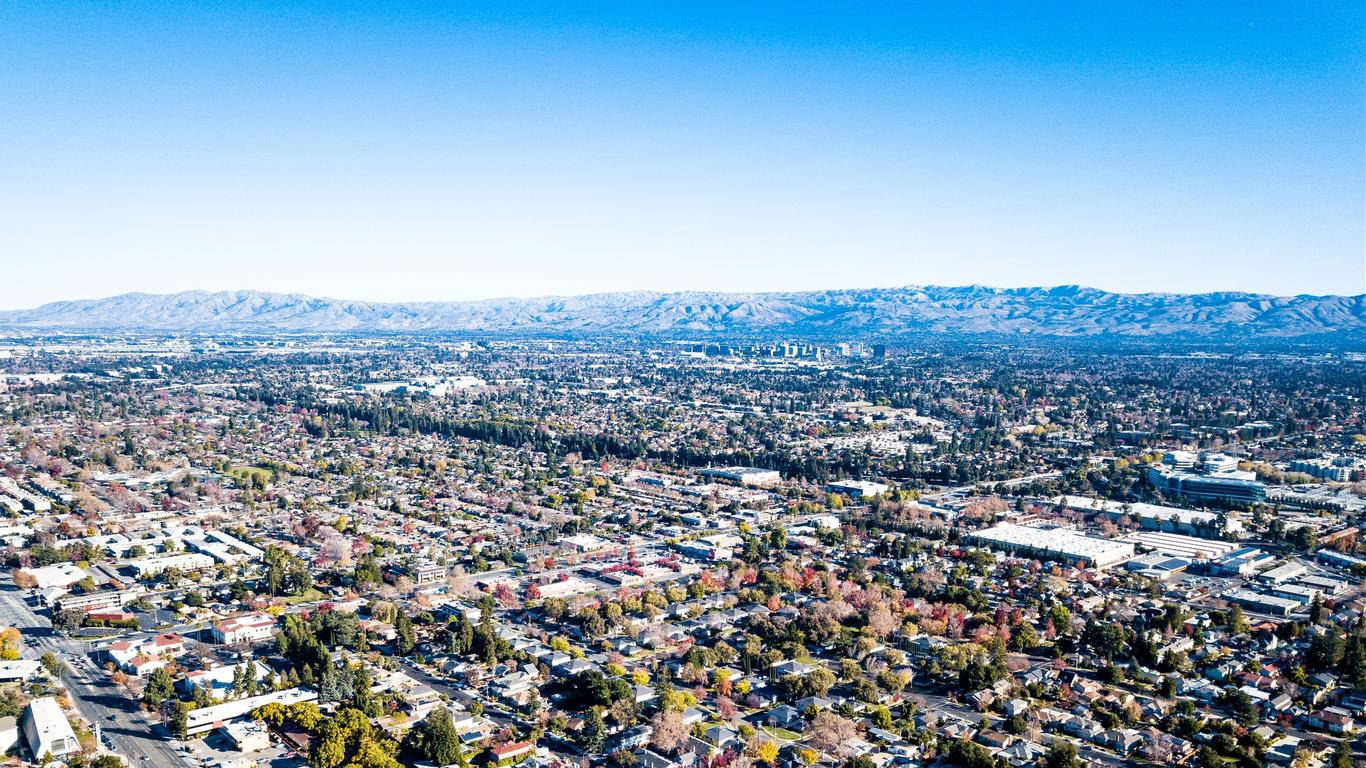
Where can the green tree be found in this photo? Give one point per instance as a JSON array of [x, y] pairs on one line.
[[160, 687], [348, 739], [179, 720], [52, 664], [406, 639], [594, 733], [1353, 664], [1105, 639], [1237, 623], [969, 754], [435, 739], [1244, 709], [1063, 754], [1342, 756]]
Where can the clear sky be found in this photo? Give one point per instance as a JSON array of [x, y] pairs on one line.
[[456, 150]]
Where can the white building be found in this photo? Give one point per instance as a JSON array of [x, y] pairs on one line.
[[110, 599], [206, 719], [716, 548], [1054, 543], [1177, 545], [47, 731], [584, 542], [1155, 517], [59, 575], [247, 737], [857, 489], [189, 561], [217, 682], [752, 476], [246, 628], [18, 670], [9, 734]]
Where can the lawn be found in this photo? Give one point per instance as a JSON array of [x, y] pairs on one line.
[[243, 474], [307, 597]]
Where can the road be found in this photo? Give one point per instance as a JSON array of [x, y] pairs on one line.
[[126, 728], [989, 484]]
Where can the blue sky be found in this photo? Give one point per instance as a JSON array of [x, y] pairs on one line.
[[423, 150]]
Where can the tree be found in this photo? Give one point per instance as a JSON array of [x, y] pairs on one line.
[[1237, 623], [828, 731], [160, 687], [179, 721], [1342, 756], [1167, 688], [1244, 710], [767, 752], [68, 619], [1105, 639], [11, 643], [594, 732], [406, 640], [52, 664], [978, 674], [286, 574], [435, 738], [1325, 650], [969, 755], [670, 732], [1353, 664], [348, 739], [306, 715], [367, 573], [1303, 538], [1063, 754]]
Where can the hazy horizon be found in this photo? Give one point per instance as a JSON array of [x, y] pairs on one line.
[[491, 298]]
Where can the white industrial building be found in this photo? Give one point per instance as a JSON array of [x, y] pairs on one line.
[[752, 476], [1055, 544], [248, 736], [857, 489], [1278, 606], [1181, 546], [1284, 572], [1154, 516]]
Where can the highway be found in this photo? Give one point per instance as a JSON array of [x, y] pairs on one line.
[[127, 730]]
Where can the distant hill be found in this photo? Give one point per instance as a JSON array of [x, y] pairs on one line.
[[1070, 311]]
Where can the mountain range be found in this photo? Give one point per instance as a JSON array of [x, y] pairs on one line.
[[1065, 311]]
